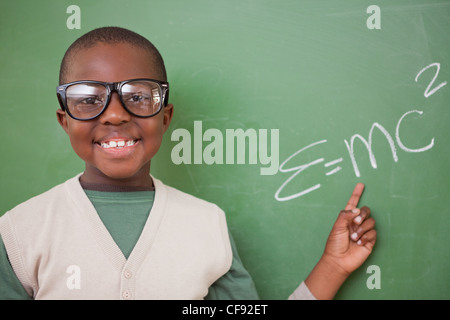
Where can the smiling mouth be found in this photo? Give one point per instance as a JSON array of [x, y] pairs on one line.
[[117, 144]]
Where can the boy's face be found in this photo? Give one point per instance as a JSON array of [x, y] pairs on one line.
[[129, 165]]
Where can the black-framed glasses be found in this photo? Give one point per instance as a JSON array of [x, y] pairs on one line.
[[86, 100]]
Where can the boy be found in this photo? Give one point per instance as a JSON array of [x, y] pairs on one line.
[[116, 232]]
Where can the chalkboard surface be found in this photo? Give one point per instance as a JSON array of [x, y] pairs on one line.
[[286, 105]]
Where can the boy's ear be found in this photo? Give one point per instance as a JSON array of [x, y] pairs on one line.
[[168, 114], [62, 119]]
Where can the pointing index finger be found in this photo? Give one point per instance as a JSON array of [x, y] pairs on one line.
[[356, 195]]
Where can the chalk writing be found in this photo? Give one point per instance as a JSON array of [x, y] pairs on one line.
[[427, 92], [298, 170], [329, 164], [335, 164], [397, 135], [368, 145]]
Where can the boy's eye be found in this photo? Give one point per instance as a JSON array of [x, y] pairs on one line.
[[91, 100], [137, 97]]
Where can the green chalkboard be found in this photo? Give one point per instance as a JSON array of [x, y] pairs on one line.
[[337, 91]]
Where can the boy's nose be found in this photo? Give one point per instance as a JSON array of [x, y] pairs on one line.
[[115, 113]]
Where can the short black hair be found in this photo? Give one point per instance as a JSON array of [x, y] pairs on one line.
[[111, 35]]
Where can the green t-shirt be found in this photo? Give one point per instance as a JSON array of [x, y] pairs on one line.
[[124, 214]]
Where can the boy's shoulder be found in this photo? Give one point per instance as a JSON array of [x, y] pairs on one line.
[[44, 201]]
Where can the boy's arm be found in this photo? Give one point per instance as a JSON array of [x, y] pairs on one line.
[[10, 286], [236, 284], [349, 244]]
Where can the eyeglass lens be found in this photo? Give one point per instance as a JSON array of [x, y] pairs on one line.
[[87, 100]]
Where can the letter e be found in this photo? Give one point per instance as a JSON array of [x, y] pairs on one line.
[[374, 21], [374, 281], [74, 21]]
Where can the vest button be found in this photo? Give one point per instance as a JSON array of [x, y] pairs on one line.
[[127, 274], [126, 295]]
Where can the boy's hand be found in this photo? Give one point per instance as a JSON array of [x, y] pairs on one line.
[[352, 237], [349, 244]]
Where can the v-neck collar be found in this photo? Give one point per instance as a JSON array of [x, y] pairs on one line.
[[103, 237]]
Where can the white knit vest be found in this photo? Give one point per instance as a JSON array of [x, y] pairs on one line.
[[60, 249]]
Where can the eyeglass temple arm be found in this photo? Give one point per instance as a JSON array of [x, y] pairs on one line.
[[60, 99]]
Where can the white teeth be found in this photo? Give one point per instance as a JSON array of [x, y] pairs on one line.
[[117, 144]]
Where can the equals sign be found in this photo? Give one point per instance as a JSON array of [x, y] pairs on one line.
[[329, 164]]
